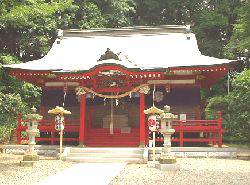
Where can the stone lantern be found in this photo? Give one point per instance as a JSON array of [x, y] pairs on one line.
[[166, 158], [32, 132]]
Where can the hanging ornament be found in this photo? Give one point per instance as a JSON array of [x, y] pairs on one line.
[[144, 89], [104, 101], [78, 98], [116, 102], [65, 89], [167, 88], [80, 91], [158, 96], [130, 94], [88, 95]]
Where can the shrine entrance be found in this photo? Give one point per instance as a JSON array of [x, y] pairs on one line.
[[112, 102], [112, 122]]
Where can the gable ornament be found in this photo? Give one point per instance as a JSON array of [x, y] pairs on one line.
[[109, 55]]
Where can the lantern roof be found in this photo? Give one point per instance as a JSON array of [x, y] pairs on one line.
[[153, 110], [59, 110]]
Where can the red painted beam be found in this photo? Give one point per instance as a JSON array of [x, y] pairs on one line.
[[214, 68]]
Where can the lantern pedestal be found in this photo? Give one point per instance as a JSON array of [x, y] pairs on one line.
[[81, 145], [166, 156], [142, 145], [167, 162], [167, 167], [30, 156], [152, 164]]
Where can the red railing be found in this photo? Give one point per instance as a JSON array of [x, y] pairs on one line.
[[47, 126], [211, 129]]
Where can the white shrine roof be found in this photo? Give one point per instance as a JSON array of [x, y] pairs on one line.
[[137, 47]]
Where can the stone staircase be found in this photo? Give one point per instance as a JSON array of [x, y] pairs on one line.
[[105, 155]]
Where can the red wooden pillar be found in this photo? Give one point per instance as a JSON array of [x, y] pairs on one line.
[[52, 133], [18, 129], [181, 134], [142, 120], [181, 138], [82, 120], [220, 129], [198, 115], [42, 110]]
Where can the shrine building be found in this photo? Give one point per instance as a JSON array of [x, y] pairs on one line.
[[106, 78]]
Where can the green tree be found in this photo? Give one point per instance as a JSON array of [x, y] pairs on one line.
[[235, 107], [239, 43], [118, 13], [213, 26], [27, 29], [88, 16], [155, 12], [239, 107]]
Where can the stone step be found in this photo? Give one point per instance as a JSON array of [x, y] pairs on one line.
[[105, 150], [89, 154], [104, 160], [107, 155], [113, 139], [115, 132], [112, 136], [112, 143], [108, 144]]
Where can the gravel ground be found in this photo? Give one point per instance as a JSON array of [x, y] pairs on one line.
[[12, 174], [193, 171]]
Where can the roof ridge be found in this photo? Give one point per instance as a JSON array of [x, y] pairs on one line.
[[126, 30]]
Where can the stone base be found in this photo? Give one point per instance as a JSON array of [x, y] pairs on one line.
[[26, 163], [142, 145], [30, 157], [152, 163], [81, 144], [167, 160], [167, 167], [243, 156]]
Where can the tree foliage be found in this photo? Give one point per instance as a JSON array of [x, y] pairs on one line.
[[235, 107], [239, 108]]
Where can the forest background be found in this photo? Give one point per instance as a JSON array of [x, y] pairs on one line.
[[29, 27]]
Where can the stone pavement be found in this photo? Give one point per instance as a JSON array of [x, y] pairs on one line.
[[86, 173]]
